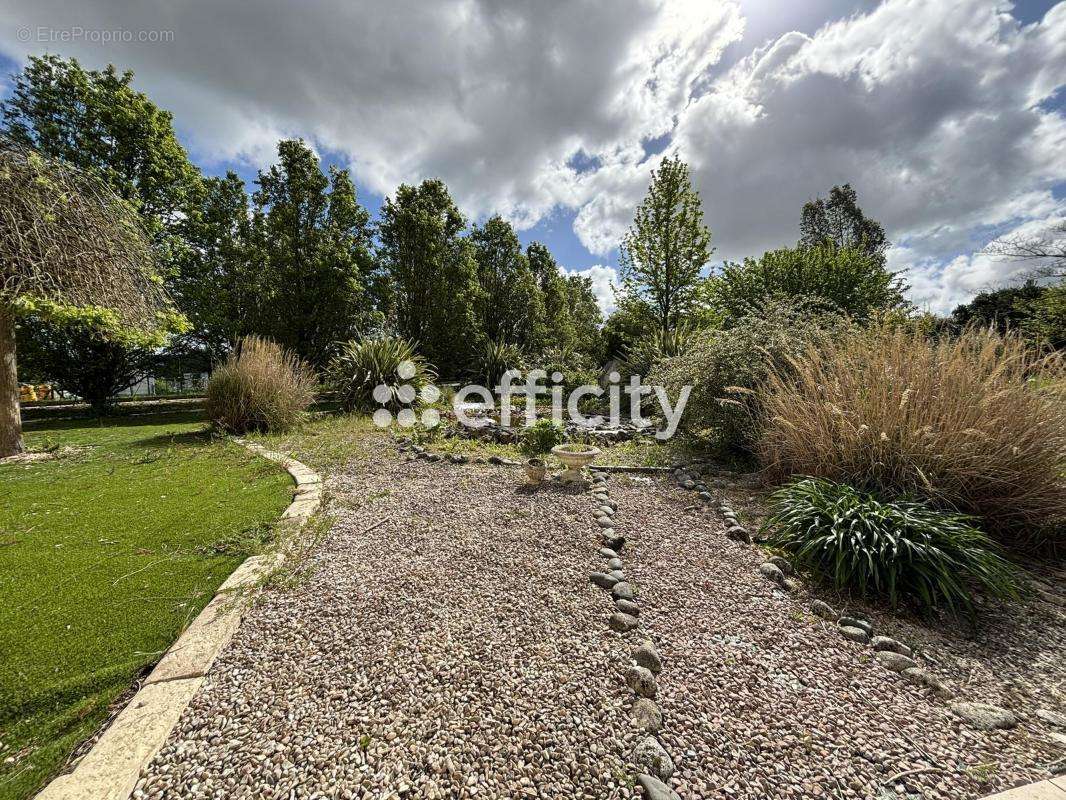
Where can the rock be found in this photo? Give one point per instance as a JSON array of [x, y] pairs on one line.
[[983, 716], [607, 552], [606, 509], [822, 609], [655, 789], [647, 716], [923, 677], [725, 510], [642, 681], [738, 534], [627, 607], [607, 532], [1052, 717], [650, 757], [790, 585], [617, 574], [433, 457], [615, 563], [855, 634], [495, 460], [688, 484], [623, 591], [771, 572], [611, 504], [605, 522], [706, 496], [782, 564], [894, 661], [888, 644], [623, 623], [852, 622], [603, 580], [648, 657], [615, 543]]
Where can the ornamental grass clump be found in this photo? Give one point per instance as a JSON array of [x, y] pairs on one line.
[[901, 550], [260, 387], [961, 422]]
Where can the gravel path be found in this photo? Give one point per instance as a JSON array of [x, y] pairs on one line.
[[447, 643], [762, 699], [455, 650]]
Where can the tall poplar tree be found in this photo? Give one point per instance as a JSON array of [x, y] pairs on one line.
[[667, 247]]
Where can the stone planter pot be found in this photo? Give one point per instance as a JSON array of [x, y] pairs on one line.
[[574, 458], [536, 469]]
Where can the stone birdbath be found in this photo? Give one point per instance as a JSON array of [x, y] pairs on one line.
[[575, 457]]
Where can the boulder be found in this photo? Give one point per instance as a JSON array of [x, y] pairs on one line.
[[771, 572], [648, 657], [886, 643], [627, 607], [642, 682], [603, 580], [623, 623], [647, 716], [655, 789], [984, 716], [651, 758], [822, 609], [854, 634], [623, 591], [894, 661]]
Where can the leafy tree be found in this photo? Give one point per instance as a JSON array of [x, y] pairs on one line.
[[586, 317], [432, 273], [838, 221], [510, 306], [83, 360], [848, 280], [96, 121], [558, 326], [311, 244], [217, 282], [667, 246], [70, 250], [1000, 308], [626, 325], [1037, 311]]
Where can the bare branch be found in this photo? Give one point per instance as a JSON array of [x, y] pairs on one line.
[[66, 238]]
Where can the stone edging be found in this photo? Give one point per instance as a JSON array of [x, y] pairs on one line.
[[653, 763], [111, 768]]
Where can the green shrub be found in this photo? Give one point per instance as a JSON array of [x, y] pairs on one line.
[[576, 368], [958, 421], [725, 367], [843, 279], [495, 358], [361, 366], [540, 437], [899, 550], [260, 387]]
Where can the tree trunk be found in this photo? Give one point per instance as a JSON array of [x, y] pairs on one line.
[[10, 420]]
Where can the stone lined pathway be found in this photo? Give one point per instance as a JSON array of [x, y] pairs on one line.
[[461, 637], [447, 643]]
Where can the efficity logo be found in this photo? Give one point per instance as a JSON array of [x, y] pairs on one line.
[[405, 394], [472, 404]]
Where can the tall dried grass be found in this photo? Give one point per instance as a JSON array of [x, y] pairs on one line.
[[960, 421], [261, 387]]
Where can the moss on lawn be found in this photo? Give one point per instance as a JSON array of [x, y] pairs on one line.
[[106, 554]]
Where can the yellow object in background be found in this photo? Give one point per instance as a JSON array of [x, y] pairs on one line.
[[27, 394]]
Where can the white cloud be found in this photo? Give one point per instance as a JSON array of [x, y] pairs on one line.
[[933, 110], [604, 282]]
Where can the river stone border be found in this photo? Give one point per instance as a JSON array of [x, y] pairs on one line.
[[654, 764], [112, 766]]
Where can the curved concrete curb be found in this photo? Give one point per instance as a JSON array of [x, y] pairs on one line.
[[111, 768], [1053, 789]]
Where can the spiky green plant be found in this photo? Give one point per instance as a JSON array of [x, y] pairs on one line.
[[362, 366], [901, 550], [495, 358]]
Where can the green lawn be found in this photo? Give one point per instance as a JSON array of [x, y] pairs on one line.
[[106, 554]]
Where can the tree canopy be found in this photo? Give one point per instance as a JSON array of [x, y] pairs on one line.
[[838, 221], [663, 254]]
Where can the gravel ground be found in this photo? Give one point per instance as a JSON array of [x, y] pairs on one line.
[[456, 649], [762, 699], [448, 644]]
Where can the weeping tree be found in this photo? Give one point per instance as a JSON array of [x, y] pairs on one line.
[[70, 251]]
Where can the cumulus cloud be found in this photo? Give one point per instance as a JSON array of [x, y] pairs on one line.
[[933, 111], [604, 282], [937, 112]]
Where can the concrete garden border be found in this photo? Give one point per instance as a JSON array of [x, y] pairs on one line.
[[111, 768]]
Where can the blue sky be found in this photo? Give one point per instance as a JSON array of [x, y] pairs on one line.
[[947, 117]]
